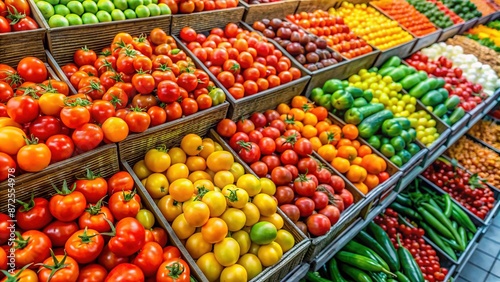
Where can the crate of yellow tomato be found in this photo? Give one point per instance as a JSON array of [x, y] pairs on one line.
[[205, 196]]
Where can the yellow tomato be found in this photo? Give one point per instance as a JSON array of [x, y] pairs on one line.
[[227, 251], [218, 147], [12, 139], [197, 213], [285, 240], [157, 185], [199, 175], [208, 148], [237, 170], [182, 228], [216, 202], [177, 155], [252, 214], [221, 160], [210, 267], [141, 170], [169, 208], [267, 186], [6, 121], [266, 204], [234, 218], [252, 265], [177, 171], [270, 254], [192, 144], [254, 249], [195, 163], [157, 160], [223, 178], [203, 183], [196, 246], [243, 239], [250, 183], [181, 189], [275, 219], [234, 273], [236, 197]]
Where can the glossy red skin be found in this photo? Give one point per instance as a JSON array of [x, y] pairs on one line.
[[37, 217]]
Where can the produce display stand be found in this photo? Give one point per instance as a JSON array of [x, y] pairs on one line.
[[260, 101], [296, 274], [312, 5], [61, 41], [278, 9], [206, 20]]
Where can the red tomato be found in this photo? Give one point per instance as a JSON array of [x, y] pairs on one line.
[[84, 245], [31, 247], [305, 205], [22, 109], [61, 147], [175, 267], [138, 120], [332, 212], [32, 69], [45, 126], [149, 258], [168, 91], [34, 214], [129, 237], [109, 259], [87, 137], [66, 271], [292, 211], [281, 176], [318, 224], [92, 273], [67, 205], [305, 186], [284, 195], [347, 198], [271, 161], [188, 34]]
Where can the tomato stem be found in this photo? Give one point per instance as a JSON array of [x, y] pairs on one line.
[[129, 195], [113, 229], [89, 175], [58, 265], [95, 209], [26, 207], [21, 242], [15, 278], [65, 189], [86, 239], [176, 269]]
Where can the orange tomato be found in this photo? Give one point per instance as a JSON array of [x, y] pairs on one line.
[[309, 131], [320, 112], [297, 114], [373, 164], [364, 150], [355, 144], [371, 181], [316, 143], [350, 131], [357, 161], [299, 101], [328, 137], [327, 152], [361, 187], [310, 119], [356, 173], [347, 152], [341, 165], [214, 231], [344, 142], [283, 109], [322, 126]]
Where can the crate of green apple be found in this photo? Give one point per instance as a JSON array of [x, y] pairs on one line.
[[470, 94], [451, 228], [430, 91]]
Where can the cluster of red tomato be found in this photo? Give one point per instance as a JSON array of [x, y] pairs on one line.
[[412, 239], [193, 6], [284, 156], [244, 62], [74, 237], [15, 16], [333, 29], [470, 94]]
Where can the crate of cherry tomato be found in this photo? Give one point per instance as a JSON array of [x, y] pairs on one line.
[[267, 9], [410, 18], [83, 217], [21, 32], [206, 14], [291, 158], [180, 176], [312, 54], [254, 78], [338, 36]]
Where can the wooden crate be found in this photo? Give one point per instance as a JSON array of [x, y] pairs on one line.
[[260, 101], [63, 41], [312, 5], [205, 21], [256, 12], [20, 44], [103, 160], [289, 260]]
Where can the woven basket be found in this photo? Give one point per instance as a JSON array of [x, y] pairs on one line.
[[280, 9], [103, 160], [205, 21], [20, 44], [312, 5], [261, 101], [64, 41]]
